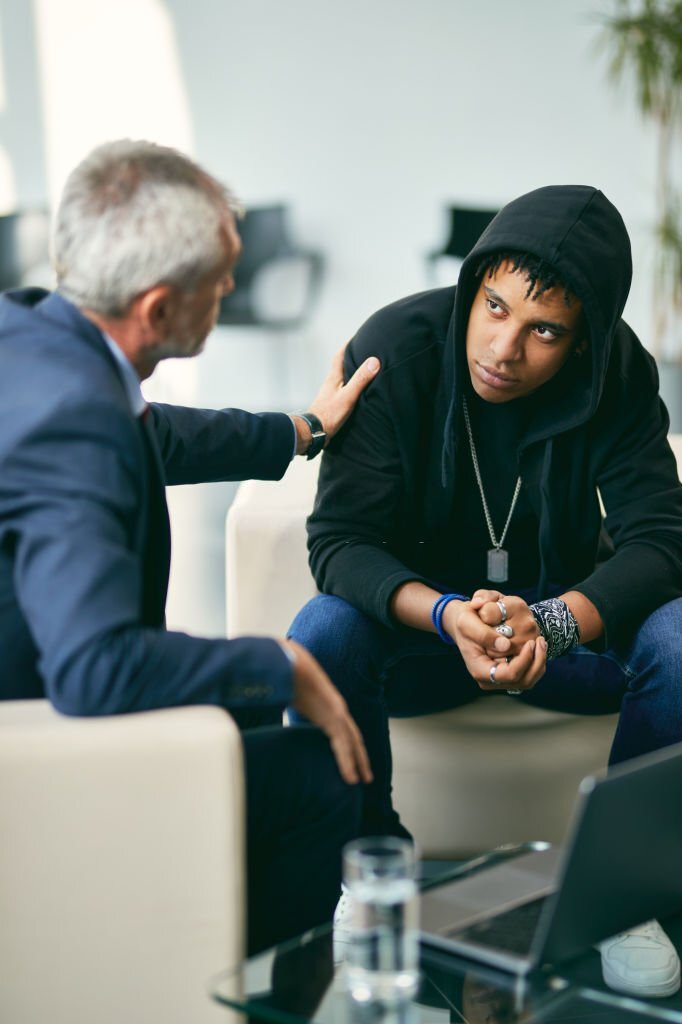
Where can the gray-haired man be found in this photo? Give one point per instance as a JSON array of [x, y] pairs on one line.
[[145, 244]]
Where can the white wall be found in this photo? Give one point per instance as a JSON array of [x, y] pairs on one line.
[[367, 115]]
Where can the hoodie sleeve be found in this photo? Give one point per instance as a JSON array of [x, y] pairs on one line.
[[636, 473], [356, 518]]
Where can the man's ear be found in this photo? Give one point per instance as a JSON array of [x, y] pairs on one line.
[[156, 309], [581, 348]]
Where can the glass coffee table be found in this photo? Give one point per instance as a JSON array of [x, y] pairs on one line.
[[304, 980]]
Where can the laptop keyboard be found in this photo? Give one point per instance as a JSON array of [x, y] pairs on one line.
[[512, 931]]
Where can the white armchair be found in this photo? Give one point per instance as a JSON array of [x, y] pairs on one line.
[[492, 772], [121, 864]]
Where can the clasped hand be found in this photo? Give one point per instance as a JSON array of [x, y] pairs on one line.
[[520, 659]]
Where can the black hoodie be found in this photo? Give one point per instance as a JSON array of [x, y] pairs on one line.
[[388, 482]]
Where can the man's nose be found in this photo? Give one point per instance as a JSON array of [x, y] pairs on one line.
[[506, 345]]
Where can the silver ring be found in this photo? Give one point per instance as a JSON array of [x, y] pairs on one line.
[[491, 674], [504, 630], [503, 610], [513, 693]]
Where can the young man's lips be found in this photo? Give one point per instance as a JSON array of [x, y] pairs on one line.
[[494, 378]]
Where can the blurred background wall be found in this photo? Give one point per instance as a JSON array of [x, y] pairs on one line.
[[366, 115]]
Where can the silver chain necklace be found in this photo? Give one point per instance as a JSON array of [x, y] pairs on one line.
[[498, 558]]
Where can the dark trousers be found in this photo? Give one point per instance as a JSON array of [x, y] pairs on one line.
[[299, 815]]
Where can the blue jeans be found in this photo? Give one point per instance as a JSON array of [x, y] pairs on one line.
[[403, 672]]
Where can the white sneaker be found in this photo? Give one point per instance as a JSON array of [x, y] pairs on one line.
[[641, 961]]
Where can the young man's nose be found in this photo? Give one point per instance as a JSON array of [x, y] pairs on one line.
[[506, 344]]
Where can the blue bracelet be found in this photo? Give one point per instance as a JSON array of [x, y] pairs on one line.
[[439, 606]]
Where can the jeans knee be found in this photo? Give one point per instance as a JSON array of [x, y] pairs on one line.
[[661, 634], [325, 611], [658, 643], [342, 638]]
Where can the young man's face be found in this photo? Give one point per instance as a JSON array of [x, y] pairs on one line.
[[516, 344]]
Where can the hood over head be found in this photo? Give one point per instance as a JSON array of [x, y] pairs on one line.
[[582, 234]]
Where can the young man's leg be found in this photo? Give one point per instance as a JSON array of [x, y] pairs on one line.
[[299, 815], [381, 672], [651, 712], [402, 672], [642, 682]]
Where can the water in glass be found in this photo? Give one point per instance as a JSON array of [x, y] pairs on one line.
[[383, 953]]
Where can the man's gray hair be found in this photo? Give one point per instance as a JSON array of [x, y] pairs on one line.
[[134, 215]]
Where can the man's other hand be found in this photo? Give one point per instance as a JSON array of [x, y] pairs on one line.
[[335, 400], [519, 662], [519, 618], [317, 699]]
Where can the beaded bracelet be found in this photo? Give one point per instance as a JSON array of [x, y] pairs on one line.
[[439, 606], [557, 624]]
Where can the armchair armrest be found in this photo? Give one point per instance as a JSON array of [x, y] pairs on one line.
[[121, 865], [267, 574]]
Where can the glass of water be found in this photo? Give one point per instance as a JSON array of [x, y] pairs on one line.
[[383, 952]]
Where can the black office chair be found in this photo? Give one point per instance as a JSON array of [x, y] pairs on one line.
[[24, 249], [467, 224], [276, 281]]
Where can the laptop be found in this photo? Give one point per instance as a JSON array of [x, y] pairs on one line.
[[621, 865]]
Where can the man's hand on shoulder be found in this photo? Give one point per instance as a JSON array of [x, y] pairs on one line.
[[335, 400], [318, 700]]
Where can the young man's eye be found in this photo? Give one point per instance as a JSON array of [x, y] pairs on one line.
[[545, 333], [493, 306]]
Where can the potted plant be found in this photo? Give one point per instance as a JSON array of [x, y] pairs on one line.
[[644, 41]]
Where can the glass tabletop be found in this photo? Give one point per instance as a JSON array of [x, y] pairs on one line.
[[305, 980]]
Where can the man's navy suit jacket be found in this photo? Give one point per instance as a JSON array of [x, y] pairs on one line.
[[84, 540]]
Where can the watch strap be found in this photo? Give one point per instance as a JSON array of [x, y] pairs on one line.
[[319, 436]]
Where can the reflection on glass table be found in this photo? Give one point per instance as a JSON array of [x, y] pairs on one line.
[[306, 980]]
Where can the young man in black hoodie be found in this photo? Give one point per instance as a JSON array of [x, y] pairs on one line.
[[457, 534]]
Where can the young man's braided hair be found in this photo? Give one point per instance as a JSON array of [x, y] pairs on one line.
[[541, 275]]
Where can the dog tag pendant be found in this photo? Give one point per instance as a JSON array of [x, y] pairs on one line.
[[498, 565]]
